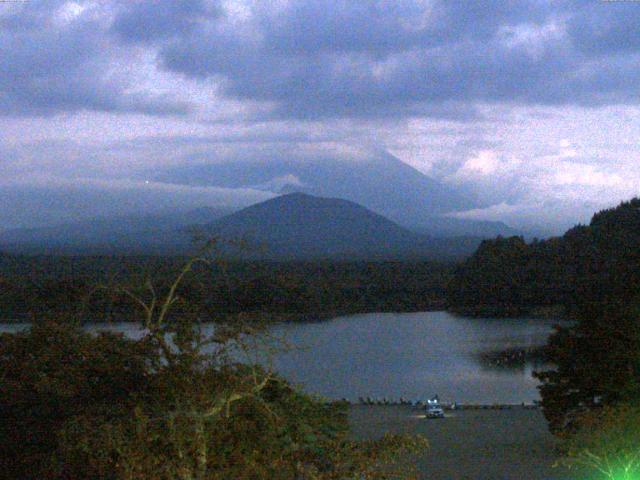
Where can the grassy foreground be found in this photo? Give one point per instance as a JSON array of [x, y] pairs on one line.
[[471, 444]]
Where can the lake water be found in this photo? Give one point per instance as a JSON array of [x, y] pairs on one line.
[[410, 355]]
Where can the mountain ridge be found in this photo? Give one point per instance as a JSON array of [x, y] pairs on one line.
[[295, 226], [133, 233], [298, 225], [380, 182]]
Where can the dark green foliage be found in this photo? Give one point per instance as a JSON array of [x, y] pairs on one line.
[[593, 273], [53, 375], [597, 363], [591, 263], [174, 404], [30, 286], [492, 277]]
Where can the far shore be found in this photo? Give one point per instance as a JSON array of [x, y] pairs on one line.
[[323, 316]]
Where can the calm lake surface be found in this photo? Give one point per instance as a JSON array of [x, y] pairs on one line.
[[410, 355]]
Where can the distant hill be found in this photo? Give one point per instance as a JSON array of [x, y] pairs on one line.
[[381, 183], [444, 226], [132, 234], [301, 226], [295, 226]]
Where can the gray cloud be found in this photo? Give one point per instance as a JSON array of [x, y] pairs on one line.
[[152, 20], [338, 58], [57, 57], [57, 200], [325, 58], [606, 28]]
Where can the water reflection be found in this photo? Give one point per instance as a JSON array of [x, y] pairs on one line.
[[514, 358], [414, 356], [411, 355]]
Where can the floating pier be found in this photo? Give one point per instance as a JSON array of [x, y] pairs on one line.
[[444, 405]]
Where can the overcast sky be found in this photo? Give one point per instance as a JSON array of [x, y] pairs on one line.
[[532, 105]]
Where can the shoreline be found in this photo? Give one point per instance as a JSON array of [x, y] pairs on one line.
[[450, 406]]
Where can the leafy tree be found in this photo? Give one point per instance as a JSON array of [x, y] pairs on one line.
[[593, 263], [491, 281], [597, 363], [54, 373], [175, 404]]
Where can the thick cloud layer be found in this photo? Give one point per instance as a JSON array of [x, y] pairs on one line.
[[59, 57], [322, 58], [371, 58], [521, 103]]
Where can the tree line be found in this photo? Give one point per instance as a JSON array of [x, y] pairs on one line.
[[589, 263], [180, 402], [288, 290], [591, 398]]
